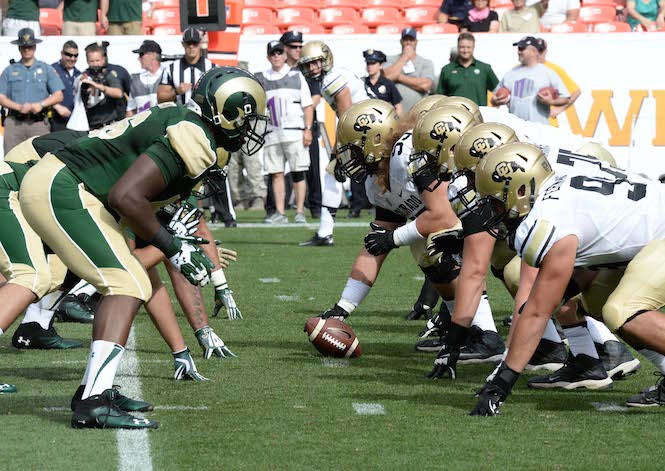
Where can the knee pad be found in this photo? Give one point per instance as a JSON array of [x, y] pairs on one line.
[[498, 273], [297, 176], [444, 272]]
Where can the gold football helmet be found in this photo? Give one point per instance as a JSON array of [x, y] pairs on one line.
[[470, 105], [594, 149], [313, 51], [508, 180], [362, 133], [434, 138], [424, 105]]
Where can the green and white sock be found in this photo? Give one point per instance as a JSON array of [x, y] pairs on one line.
[[103, 364]]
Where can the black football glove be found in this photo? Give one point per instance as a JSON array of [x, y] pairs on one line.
[[335, 313], [446, 360], [446, 242], [340, 176], [380, 241], [494, 392], [438, 325]]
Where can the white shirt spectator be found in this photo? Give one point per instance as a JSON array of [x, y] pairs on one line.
[[557, 11]]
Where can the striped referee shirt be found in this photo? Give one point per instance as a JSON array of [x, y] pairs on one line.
[[181, 71]]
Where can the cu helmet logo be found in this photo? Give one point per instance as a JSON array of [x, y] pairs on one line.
[[363, 122], [505, 171], [482, 146], [441, 129]]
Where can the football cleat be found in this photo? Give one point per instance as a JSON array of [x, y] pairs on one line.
[[549, 356], [507, 321], [101, 411], [122, 402], [76, 308], [418, 311], [336, 312], [185, 367], [430, 345], [617, 359], [317, 241], [482, 346], [7, 388], [33, 336], [438, 325], [652, 396], [581, 371]]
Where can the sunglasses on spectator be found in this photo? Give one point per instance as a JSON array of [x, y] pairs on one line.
[[294, 47], [276, 53], [69, 54], [191, 43]]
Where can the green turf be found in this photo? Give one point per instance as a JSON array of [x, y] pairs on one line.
[[278, 407]]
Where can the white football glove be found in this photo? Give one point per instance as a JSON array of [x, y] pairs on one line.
[[185, 367], [191, 261], [226, 256], [185, 222], [212, 344], [224, 297]]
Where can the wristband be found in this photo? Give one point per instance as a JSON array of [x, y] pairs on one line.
[[218, 279], [164, 241], [407, 234]]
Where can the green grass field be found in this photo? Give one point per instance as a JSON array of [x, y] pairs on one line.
[[278, 406]]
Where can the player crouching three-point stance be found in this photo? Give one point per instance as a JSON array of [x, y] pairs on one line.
[[74, 199]]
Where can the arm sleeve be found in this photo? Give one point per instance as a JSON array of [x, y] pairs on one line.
[[335, 86], [170, 164], [533, 239], [53, 80], [383, 214]]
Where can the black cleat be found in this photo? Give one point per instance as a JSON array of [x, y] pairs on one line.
[[438, 325], [650, 397], [122, 402], [317, 241], [33, 336], [482, 346], [76, 308], [617, 359], [548, 356], [581, 371], [101, 411], [430, 345], [507, 321]]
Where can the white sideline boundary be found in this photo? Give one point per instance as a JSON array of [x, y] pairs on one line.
[[312, 226], [133, 445], [368, 408]]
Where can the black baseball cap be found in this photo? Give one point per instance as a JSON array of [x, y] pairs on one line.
[[543, 44], [275, 46], [289, 37], [101, 44], [531, 41], [26, 37], [148, 46], [372, 55], [192, 35]]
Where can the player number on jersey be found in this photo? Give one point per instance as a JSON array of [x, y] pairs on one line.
[[118, 129]]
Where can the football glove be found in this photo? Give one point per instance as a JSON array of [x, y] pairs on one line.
[[190, 260], [438, 325], [340, 176], [445, 363], [494, 392], [224, 298], [212, 344], [419, 310], [444, 243], [185, 221], [185, 367], [226, 256], [380, 241], [336, 312]]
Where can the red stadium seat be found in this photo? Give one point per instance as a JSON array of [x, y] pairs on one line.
[[292, 16], [165, 16], [439, 28], [167, 30], [395, 28], [569, 27], [612, 27], [501, 3], [419, 16], [588, 3], [50, 21], [376, 16], [333, 16], [260, 29], [261, 4], [421, 3], [350, 29], [165, 4], [597, 14], [357, 4], [385, 3], [298, 3], [308, 28], [257, 16]]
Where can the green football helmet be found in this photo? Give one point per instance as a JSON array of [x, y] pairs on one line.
[[233, 102]]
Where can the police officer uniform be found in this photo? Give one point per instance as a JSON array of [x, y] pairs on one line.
[[27, 84], [384, 88]]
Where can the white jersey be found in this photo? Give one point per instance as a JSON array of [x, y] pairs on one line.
[[339, 78], [613, 215]]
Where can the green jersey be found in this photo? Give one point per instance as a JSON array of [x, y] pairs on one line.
[[80, 11], [174, 137], [55, 141], [27, 10]]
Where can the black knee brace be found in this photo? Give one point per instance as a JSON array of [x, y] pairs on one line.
[[297, 176], [446, 271]]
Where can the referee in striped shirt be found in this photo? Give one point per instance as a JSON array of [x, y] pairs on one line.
[[179, 77]]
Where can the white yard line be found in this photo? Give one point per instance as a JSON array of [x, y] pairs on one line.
[[368, 408], [269, 280], [133, 445], [287, 298], [78, 362], [261, 225], [609, 407], [335, 362]]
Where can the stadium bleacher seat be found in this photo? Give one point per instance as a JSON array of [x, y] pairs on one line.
[[394, 28], [165, 4], [376, 16], [165, 16], [357, 4], [257, 16], [292, 16], [501, 3], [651, 29], [611, 27], [385, 3], [333, 16], [350, 29], [166, 30], [308, 28], [569, 27], [439, 28], [588, 3], [50, 21], [261, 4], [421, 3], [419, 16], [597, 14], [260, 29], [298, 4]]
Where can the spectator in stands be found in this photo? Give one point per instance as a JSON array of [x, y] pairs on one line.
[[101, 90], [413, 74], [79, 17], [181, 75], [480, 19], [571, 86], [143, 93], [293, 41], [290, 130], [454, 11], [27, 89], [525, 83], [467, 76], [125, 17], [21, 14], [648, 14], [558, 11], [523, 19], [67, 71]]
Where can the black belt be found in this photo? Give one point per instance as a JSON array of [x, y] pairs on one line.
[[27, 117]]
